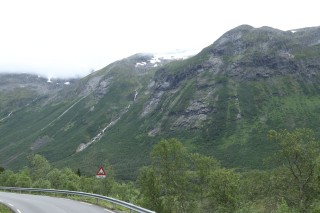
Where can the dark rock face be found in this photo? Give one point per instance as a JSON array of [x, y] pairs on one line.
[[219, 98], [243, 54], [246, 53], [264, 52]]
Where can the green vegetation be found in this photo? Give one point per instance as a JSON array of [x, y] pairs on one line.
[[178, 181], [190, 182], [220, 103], [281, 102], [40, 174], [299, 153], [277, 103], [4, 209]]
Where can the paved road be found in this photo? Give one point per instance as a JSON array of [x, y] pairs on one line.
[[25, 203]]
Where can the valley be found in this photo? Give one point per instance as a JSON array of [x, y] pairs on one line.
[[221, 102]]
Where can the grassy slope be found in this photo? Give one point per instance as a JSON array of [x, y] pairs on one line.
[[285, 102], [282, 101], [5, 209]]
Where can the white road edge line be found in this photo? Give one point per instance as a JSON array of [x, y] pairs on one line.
[[108, 211], [19, 211], [10, 205], [89, 204]]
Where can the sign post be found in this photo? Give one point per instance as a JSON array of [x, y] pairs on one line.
[[101, 173]]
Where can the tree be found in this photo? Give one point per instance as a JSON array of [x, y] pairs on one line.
[[79, 172], [170, 162], [164, 185], [7, 178], [39, 167], [55, 177], [215, 188], [125, 191], [179, 182], [108, 182], [23, 179], [202, 166], [299, 152], [223, 190], [150, 188], [69, 180], [41, 183]]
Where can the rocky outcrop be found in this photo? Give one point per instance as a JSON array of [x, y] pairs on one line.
[[194, 116], [252, 54], [243, 54], [224, 98], [40, 142], [152, 104]]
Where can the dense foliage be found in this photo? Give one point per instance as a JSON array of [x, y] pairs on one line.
[[40, 174], [179, 181], [220, 103]]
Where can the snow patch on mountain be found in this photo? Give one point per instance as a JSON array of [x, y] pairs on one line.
[[158, 59], [154, 60], [141, 64]]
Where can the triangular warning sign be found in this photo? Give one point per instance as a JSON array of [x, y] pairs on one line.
[[101, 173]]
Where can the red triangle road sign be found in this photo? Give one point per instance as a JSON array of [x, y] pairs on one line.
[[101, 173]]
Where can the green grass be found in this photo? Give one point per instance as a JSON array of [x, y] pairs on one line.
[[5, 209], [285, 102], [281, 101]]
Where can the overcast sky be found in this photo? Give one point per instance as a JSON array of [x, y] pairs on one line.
[[68, 38]]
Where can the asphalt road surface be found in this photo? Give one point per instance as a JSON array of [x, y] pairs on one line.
[[26, 203]]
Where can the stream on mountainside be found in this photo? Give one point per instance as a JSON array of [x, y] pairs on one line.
[[6, 117], [96, 138]]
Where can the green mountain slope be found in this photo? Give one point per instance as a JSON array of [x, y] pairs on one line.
[[221, 102]]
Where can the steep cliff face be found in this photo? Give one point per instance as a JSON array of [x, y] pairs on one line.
[[221, 102], [225, 99]]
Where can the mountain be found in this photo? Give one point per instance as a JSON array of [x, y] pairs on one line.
[[221, 102]]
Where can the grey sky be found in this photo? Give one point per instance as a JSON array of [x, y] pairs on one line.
[[67, 38]]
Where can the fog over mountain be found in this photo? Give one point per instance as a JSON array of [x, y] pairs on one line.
[[70, 39], [221, 102]]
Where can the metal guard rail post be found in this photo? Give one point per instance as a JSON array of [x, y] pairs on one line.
[[109, 199]]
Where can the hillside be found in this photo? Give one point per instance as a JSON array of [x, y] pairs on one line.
[[221, 102]]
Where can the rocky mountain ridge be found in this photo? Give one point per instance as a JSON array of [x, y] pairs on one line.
[[221, 102]]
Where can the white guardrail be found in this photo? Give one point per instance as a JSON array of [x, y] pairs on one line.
[[109, 199]]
